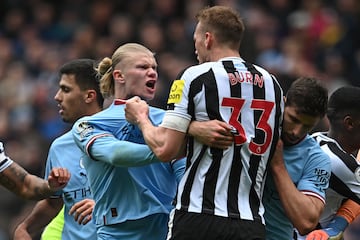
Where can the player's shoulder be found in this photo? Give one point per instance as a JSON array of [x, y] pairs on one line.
[[64, 139], [156, 114], [84, 121], [156, 110], [311, 144], [200, 68]]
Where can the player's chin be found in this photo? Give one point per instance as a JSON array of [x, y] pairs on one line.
[[148, 96], [288, 141]]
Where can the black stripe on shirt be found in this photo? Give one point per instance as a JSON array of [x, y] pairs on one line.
[[349, 161], [213, 111], [185, 197], [236, 166], [258, 93], [341, 188]]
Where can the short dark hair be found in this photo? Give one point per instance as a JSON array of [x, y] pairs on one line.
[[309, 95], [344, 101], [85, 75]]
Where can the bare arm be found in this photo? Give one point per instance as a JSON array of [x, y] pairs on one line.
[[28, 186], [43, 212], [213, 133], [345, 215], [164, 142], [303, 211], [17, 180]]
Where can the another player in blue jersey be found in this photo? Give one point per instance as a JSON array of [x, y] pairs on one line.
[[294, 194], [79, 95], [132, 190]]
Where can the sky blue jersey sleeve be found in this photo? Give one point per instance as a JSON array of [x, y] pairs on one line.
[[316, 174], [178, 167], [102, 145]]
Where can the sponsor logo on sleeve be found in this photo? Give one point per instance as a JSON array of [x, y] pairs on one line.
[[176, 91], [84, 129]]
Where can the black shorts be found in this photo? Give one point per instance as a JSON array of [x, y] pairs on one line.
[[195, 226]]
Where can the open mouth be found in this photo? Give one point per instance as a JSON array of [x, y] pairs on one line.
[[151, 84]]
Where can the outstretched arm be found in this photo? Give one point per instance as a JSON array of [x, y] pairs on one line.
[[28, 186]]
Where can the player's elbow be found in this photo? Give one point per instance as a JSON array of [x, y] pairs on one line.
[[27, 194], [164, 154], [306, 227]]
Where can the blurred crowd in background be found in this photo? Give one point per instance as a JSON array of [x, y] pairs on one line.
[[289, 38]]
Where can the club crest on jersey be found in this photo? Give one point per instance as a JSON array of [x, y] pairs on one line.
[[357, 174], [176, 91], [84, 129]]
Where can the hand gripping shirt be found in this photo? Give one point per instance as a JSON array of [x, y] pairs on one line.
[[309, 169], [127, 180], [63, 152]]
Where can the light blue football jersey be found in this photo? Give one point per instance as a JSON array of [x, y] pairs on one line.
[[127, 180], [309, 168], [63, 152]]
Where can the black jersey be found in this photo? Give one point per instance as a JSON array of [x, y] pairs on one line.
[[344, 180]]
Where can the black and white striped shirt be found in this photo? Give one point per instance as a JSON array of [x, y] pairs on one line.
[[228, 183], [344, 180], [5, 163]]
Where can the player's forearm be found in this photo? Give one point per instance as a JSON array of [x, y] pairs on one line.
[[18, 180], [158, 141], [299, 208], [35, 188], [41, 215], [121, 153]]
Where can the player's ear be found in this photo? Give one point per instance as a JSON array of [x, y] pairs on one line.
[[208, 40], [90, 96], [118, 75], [349, 122]]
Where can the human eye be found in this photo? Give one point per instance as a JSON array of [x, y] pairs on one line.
[[65, 89], [142, 66]]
